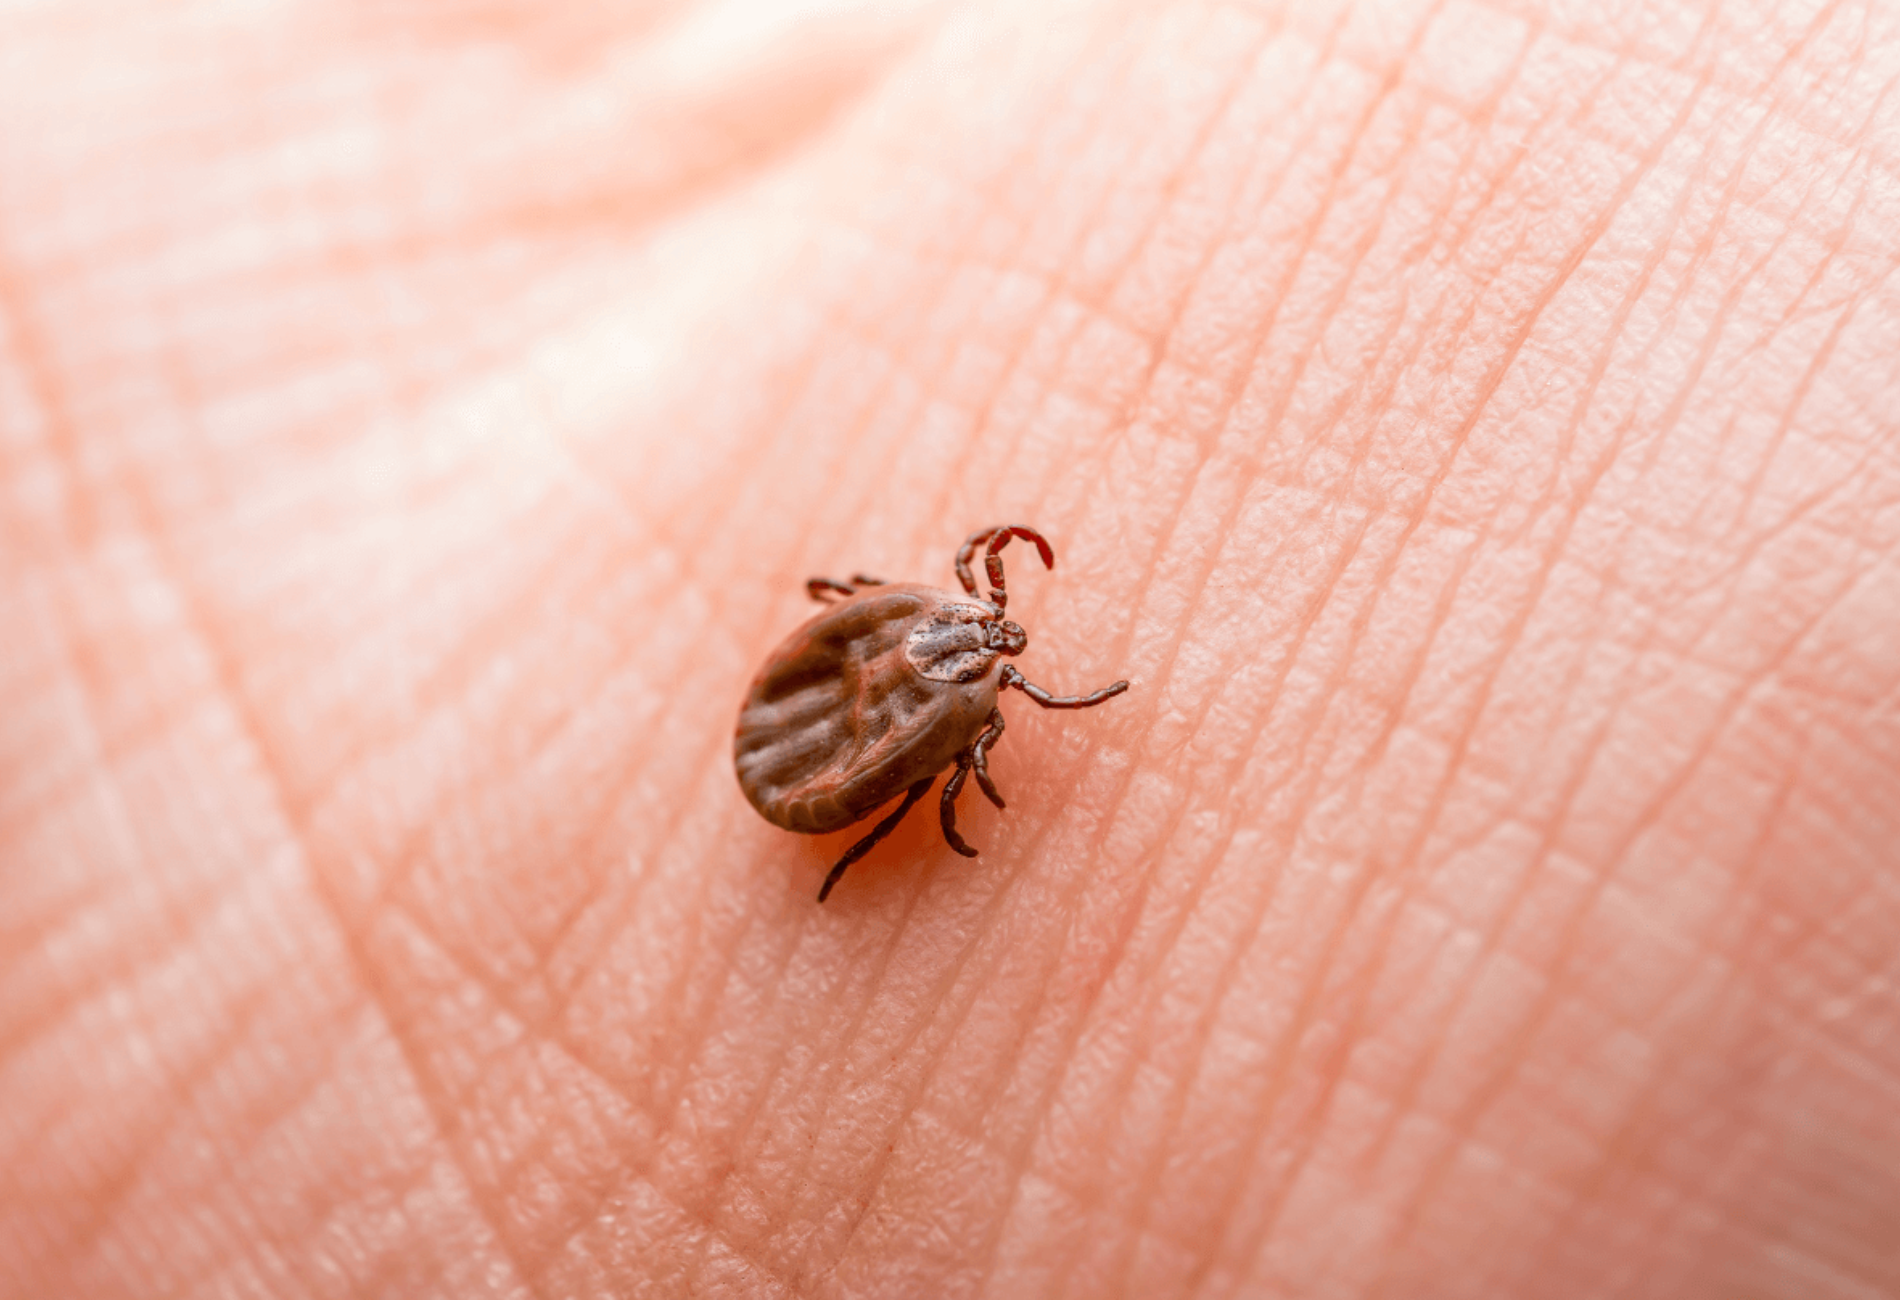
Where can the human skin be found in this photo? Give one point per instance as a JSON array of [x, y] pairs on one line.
[[1470, 428]]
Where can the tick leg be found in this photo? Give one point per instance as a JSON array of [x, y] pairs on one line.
[[995, 539], [823, 589], [980, 756], [878, 832], [951, 789], [1010, 677]]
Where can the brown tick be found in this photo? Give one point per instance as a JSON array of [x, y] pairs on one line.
[[882, 691]]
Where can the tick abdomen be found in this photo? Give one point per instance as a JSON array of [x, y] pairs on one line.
[[840, 721]]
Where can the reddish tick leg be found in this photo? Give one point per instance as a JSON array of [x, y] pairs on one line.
[[980, 756], [866, 580], [1010, 677], [996, 539], [878, 832], [951, 789]]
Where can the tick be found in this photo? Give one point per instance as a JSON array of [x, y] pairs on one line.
[[881, 692]]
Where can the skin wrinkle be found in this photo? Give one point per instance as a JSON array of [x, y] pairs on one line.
[[1767, 673], [492, 1217], [1672, 416], [1298, 1031], [1752, 871], [728, 1167], [134, 1171], [126, 1177], [1737, 700], [1164, 670], [1384, 398], [83, 994], [25, 943], [351, 945], [587, 965], [1100, 308], [1710, 1178], [1853, 1054], [123, 965], [22, 1033], [953, 271], [1730, 710], [1060, 285], [317, 790], [447, 684], [1499, 370], [1518, 895], [414, 393], [952, 975], [857, 429], [530, 1261], [234, 1250], [556, 731], [704, 114], [947, 982], [1730, 576], [1636, 1122], [412, 851], [937, 295], [1513, 637], [1798, 399], [30, 351], [1805, 930], [117, 746], [193, 624], [743, 1136], [670, 1118], [664, 1122], [1163, 353], [1306, 1000]]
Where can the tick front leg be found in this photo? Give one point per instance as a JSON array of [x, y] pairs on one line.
[[1010, 677], [878, 832], [951, 789]]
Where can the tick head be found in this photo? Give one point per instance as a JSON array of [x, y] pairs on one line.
[[1007, 638]]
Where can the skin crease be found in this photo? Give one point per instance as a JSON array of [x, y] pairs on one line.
[[1469, 426]]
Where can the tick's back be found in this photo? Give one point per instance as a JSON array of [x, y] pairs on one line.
[[838, 722]]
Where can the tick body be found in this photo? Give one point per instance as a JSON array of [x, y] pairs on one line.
[[881, 692]]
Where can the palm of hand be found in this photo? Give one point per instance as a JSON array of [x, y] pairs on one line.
[[1464, 428]]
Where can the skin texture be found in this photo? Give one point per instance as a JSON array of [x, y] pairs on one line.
[[1471, 427]]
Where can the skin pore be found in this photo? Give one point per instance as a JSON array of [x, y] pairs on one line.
[[1469, 426]]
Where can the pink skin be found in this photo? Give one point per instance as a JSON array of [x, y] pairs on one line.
[[1470, 427]]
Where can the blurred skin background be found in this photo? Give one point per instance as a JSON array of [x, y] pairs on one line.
[[1472, 427]]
